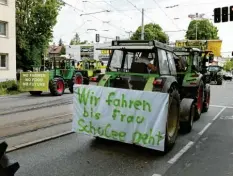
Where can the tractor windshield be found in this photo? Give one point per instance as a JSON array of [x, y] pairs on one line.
[[214, 69], [122, 59]]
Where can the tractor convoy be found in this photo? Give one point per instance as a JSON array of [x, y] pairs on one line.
[[181, 72]]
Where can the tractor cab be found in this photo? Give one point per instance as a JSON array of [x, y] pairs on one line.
[[137, 64], [61, 66]]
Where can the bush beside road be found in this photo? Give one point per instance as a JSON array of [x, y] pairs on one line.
[[9, 88]]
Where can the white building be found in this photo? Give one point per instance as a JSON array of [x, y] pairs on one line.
[[7, 40], [76, 52]]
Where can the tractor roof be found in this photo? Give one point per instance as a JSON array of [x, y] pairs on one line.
[[185, 51], [136, 45]]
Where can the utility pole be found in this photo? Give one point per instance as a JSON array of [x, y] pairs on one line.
[[196, 24], [129, 33], [142, 32], [197, 17]]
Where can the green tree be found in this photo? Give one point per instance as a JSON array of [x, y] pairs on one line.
[[228, 66], [75, 40], [205, 30], [60, 43], [63, 50], [152, 32], [34, 28]]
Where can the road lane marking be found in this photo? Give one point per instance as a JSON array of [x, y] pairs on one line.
[[190, 144], [180, 153], [219, 113], [220, 106], [208, 125], [204, 129], [156, 175], [226, 118]]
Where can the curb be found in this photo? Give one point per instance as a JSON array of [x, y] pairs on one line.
[[17, 147]]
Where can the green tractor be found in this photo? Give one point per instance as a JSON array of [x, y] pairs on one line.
[[191, 66], [60, 73], [214, 73], [93, 68], [126, 70]]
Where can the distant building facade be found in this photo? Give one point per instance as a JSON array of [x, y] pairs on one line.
[[7, 40]]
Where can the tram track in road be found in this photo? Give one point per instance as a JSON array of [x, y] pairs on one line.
[[27, 126], [35, 106]]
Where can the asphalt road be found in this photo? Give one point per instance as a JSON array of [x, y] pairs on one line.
[[82, 155], [212, 155]]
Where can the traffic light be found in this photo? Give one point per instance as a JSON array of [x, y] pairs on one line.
[[232, 53], [224, 14], [97, 38], [217, 15], [231, 13]]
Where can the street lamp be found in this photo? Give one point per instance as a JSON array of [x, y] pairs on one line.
[[196, 17]]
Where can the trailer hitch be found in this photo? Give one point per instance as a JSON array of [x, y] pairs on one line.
[[6, 168]]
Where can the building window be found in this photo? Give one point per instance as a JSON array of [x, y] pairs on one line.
[[3, 26], [3, 1], [3, 61]]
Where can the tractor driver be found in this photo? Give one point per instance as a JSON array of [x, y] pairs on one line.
[[146, 60]]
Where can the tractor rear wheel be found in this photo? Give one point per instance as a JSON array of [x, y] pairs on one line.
[[35, 93], [188, 109], [57, 87], [199, 100], [172, 126], [77, 79], [206, 102], [219, 80]]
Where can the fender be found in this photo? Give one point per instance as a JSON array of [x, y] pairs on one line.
[[192, 79], [104, 80], [169, 81]]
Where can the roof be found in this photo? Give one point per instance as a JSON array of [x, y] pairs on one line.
[[126, 47], [54, 49]]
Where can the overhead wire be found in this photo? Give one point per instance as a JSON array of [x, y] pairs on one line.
[[140, 10], [166, 14], [118, 10], [121, 29]]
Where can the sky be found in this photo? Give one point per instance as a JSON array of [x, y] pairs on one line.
[[125, 16]]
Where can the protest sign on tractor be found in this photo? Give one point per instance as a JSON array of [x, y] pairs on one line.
[[121, 115]]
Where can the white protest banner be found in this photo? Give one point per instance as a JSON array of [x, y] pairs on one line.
[[130, 116]]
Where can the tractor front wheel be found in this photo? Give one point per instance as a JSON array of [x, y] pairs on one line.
[[77, 79], [57, 87], [172, 126], [199, 100], [219, 80], [207, 98]]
